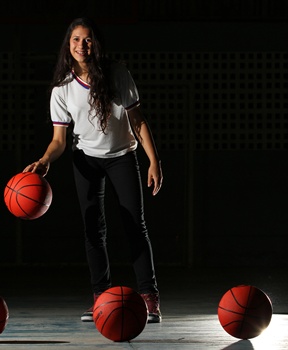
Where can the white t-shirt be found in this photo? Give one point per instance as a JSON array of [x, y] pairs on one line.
[[69, 104]]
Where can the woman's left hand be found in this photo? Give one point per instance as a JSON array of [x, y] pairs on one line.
[[155, 177]]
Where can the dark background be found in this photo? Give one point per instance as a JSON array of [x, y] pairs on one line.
[[212, 77]]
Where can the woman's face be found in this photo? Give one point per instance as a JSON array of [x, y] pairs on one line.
[[80, 44]]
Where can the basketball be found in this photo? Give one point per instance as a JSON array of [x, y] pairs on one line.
[[120, 314], [4, 314], [28, 195], [244, 311]]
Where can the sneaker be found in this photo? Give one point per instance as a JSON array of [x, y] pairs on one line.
[[87, 316], [152, 301]]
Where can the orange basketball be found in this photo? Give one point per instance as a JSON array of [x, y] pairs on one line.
[[28, 195], [4, 314], [120, 314], [244, 311]]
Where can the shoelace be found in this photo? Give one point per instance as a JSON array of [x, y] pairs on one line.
[[152, 301]]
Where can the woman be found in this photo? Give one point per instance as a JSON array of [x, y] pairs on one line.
[[99, 99]]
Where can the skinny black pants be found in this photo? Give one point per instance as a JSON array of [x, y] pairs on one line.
[[90, 174]]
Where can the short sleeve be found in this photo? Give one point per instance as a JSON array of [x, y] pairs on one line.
[[58, 108], [126, 87]]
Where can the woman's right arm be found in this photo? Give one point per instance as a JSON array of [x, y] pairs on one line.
[[53, 152]]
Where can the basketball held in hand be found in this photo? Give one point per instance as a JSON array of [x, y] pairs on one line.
[[244, 311], [28, 195]]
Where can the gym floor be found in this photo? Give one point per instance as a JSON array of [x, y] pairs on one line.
[[45, 305]]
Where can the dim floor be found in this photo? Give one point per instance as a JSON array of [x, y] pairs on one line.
[[45, 305]]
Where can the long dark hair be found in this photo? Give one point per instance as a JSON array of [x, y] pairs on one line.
[[100, 95]]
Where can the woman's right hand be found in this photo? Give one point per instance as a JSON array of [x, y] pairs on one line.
[[38, 167], [54, 150]]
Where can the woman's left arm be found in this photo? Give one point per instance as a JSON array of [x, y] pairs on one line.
[[144, 135]]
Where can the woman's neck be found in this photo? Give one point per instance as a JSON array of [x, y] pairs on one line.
[[81, 72]]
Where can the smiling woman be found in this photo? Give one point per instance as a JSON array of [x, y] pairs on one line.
[[100, 100], [80, 49]]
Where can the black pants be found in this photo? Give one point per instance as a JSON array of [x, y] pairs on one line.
[[124, 174]]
